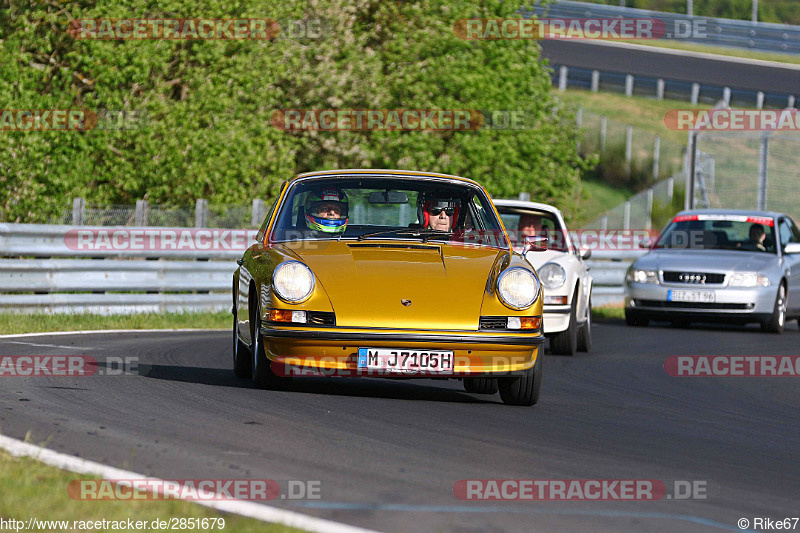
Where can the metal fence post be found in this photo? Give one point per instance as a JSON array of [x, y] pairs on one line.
[[690, 7], [604, 222], [628, 148], [603, 131], [562, 78], [790, 102], [656, 155], [763, 171], [626, 217], [595, 80], [755, 10], [628, 85], [670, 189], [579, 124], [648, 223], [759, 100], [258, 213], [200, 213], [140, 218], [695, 93], [660, 89], [690, 175], [78, 212], [525, 196], [726, 95]]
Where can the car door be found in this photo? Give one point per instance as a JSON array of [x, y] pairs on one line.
[[788, 233]]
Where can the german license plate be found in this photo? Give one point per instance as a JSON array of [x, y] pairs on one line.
[[706, 297], [391, 360]]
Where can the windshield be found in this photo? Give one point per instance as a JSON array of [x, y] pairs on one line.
[[523, 222], [719, 232], [387, 208]]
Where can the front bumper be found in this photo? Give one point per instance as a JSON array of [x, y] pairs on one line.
[[476, 354], [741, 303], [556, 318]]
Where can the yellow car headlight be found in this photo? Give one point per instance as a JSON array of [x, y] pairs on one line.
[[517, 288], [293, 281]]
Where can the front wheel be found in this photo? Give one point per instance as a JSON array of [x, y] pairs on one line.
[[566, 342], [523, 390], [585, 331], [778, 319], [263, 376], [241, 352], [480, 385]]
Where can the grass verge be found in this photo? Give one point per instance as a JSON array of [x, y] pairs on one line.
[[597, 198], [11, 323], [34, 490], [609, 312]]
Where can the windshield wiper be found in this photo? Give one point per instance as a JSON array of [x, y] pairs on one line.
[[416, 232]]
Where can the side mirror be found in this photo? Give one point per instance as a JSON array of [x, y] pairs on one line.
[[534, 244], [792, 248], [585, 253]]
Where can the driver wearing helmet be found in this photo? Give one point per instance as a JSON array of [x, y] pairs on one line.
[[440, 213], [326, 210]]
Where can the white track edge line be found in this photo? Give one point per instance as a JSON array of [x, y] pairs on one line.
[[93, 331], [265, 513]]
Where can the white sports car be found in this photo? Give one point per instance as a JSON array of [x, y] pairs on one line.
[[562, 269]]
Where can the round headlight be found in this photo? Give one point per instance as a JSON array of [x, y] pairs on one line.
[[293, 281], [518, 288], [552, 275]]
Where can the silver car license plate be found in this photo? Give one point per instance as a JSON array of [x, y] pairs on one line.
[[706, 297]]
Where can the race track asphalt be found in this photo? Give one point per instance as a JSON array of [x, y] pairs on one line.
[[654, 62], [388, 453]]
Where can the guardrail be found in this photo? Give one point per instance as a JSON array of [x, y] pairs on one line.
[[115, 270], [762, 36]]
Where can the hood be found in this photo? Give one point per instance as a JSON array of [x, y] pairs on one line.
[[719, 261], [539, 259], [366, 282]]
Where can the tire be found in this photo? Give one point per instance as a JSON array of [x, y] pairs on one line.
[[480, 385], [523, 390], [242, 360], [262, 374], [777, 321], [566, 342], [585, 331], [632, 318]]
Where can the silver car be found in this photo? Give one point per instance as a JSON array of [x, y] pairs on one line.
[[562, 269], [718, 264]]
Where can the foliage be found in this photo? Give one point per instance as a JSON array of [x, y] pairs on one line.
[[205, 106]]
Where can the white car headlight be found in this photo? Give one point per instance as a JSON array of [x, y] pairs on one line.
[[293, 281], [748, 279], [552, 275], [517, 288], [642, 276]]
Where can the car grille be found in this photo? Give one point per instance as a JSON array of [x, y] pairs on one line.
[[694, 278], [493, 322], [321, 318], [694, 305]]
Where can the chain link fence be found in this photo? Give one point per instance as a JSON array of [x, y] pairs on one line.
[[749, 170]]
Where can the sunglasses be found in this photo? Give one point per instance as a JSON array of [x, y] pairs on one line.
[[436, 211]]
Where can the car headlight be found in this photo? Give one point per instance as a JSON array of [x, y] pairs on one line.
[[642, 276], [552, 275], [293, 281], [518, 288], [748, 279]]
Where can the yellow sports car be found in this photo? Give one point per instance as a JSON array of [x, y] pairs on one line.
[[388, 273]]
